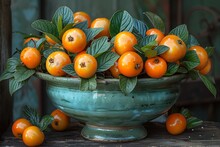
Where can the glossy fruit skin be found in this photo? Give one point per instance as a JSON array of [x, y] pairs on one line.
[[177, 48], [30, 57], [35, 39], [82, 52], [157, 32], [49, 40], [124, 41], [74, 40], [19, 126], [101, 23], [85, 65], [176, 123], [61, 120], [155, 67], [82, 16], [130, 64], [202, 54], [114, 70], [205, 70], [56, 61], [33, 136]]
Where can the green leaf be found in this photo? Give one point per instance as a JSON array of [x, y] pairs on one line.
[[181, 31], [140, 27], [45, 26], [155, 21], [191, 60], [99, 46], [208, 83], [66, 14], [137, 34], [69, 69], [54, 38], [6, 75], [59, 24], [126, 84], [121, 21], [193, 122], [138, 48], [193, 74], [22, 73], [172, 68], [106, 60], [15, 85], [47, 52], [81, 25], [182, 70], [150, 53], [146, 40], [40, 43], [210, 50], [91, 33], [67, 27], [192, 41], [12, 63], [32, 115], [161, 49], [149, 46], [185, 112], [45, 121], [88, 84]]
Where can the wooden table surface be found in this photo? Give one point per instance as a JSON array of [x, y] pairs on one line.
[[206, 135]]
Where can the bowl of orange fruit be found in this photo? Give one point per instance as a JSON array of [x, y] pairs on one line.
[[112, 74]]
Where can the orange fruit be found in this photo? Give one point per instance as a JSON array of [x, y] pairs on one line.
[[101, 23], [157, 32], [81, 16], [176, 123], [205, 70]]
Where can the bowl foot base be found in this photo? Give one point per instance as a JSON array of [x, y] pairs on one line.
[[113, 134]]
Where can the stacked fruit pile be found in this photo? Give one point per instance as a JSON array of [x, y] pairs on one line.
[[122, 47]]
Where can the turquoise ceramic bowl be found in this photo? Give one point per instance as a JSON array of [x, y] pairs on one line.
[[109, 114]]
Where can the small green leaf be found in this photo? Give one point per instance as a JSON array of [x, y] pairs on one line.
[[40, 43], [126, 84], [12, 63], [66, 14], [45, 122], [161, 49], [140, 27], [91, 33], [193, 74], [67, 27], [210, 50], [172, 68], [192, 41], [6, 75], [185, 112], [191, 60], [150, 53], [81, 25], [121, 21], [181, 31], [155, 21], [99, 46], [59, 24], [22, 73], [45, 26], [88, 84], [32, 115], [193, 122], [106, 60], [137, 34], [149, 46], [146, 40], [138, 48], [182, 70], [15, 85], [47, 52], [208, 83], [69, 69]]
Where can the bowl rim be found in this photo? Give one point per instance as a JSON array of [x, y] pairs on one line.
[[168, 79]]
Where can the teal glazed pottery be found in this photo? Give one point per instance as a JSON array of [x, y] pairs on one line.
[[109, 114]]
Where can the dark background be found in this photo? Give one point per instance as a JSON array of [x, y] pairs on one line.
[[201, 16]]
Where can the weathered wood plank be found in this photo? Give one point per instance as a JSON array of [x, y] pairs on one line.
[[207, 134]]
